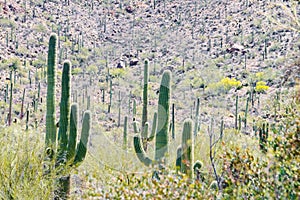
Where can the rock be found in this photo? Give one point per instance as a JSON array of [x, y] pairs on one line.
[[133, 62], [129, 9], [121, 65]]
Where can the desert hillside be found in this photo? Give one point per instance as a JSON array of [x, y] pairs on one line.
[[232, 70]]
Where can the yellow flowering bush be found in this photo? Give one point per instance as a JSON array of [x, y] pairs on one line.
[[261, 86], [228, 83]]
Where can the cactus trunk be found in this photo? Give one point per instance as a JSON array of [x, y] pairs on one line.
[[162, 137], [51, 76]]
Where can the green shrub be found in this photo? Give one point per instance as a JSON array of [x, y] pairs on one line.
[[21, 165]]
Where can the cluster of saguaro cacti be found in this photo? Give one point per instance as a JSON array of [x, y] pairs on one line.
[[162, 132], [145, 125], [185, 153], [263, 137], [66, 152]]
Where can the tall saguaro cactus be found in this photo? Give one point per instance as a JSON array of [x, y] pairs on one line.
[[64, 107], [163, 112], [162, 133], [51, 78]]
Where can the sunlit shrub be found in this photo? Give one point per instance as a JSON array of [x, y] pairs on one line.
[[261, 87]]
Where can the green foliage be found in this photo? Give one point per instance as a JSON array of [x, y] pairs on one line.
[[4, 22], [117, 72], [92, 69], [275, 175], [22, 175], [76, 71]]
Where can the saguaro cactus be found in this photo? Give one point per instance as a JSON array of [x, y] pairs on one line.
[[51, 76], [162, 137], [162, 134], [187, 146], [64, 108], [263, 137], [145, 105], [67, 152]]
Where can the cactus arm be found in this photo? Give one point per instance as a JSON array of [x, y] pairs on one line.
[[51, 76], [85, 132], [73, 132], [145, 94], [64, 107], [197, 117], [140, 151], [154, 126], [162, 139], [178, 158]]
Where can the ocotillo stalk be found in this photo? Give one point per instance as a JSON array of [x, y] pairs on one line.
[[6, 93], [246, 112], [187, 149], [145, 104], [125, 133], [110, 95], [103, 95], [197, 117], [236, 112], [162, 136], [10, 104], [22, 105], [64, 108], [240, 123], [265, 49], [39, 92], [119, 105], [222, 128], [27, 120], [51, 74]]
